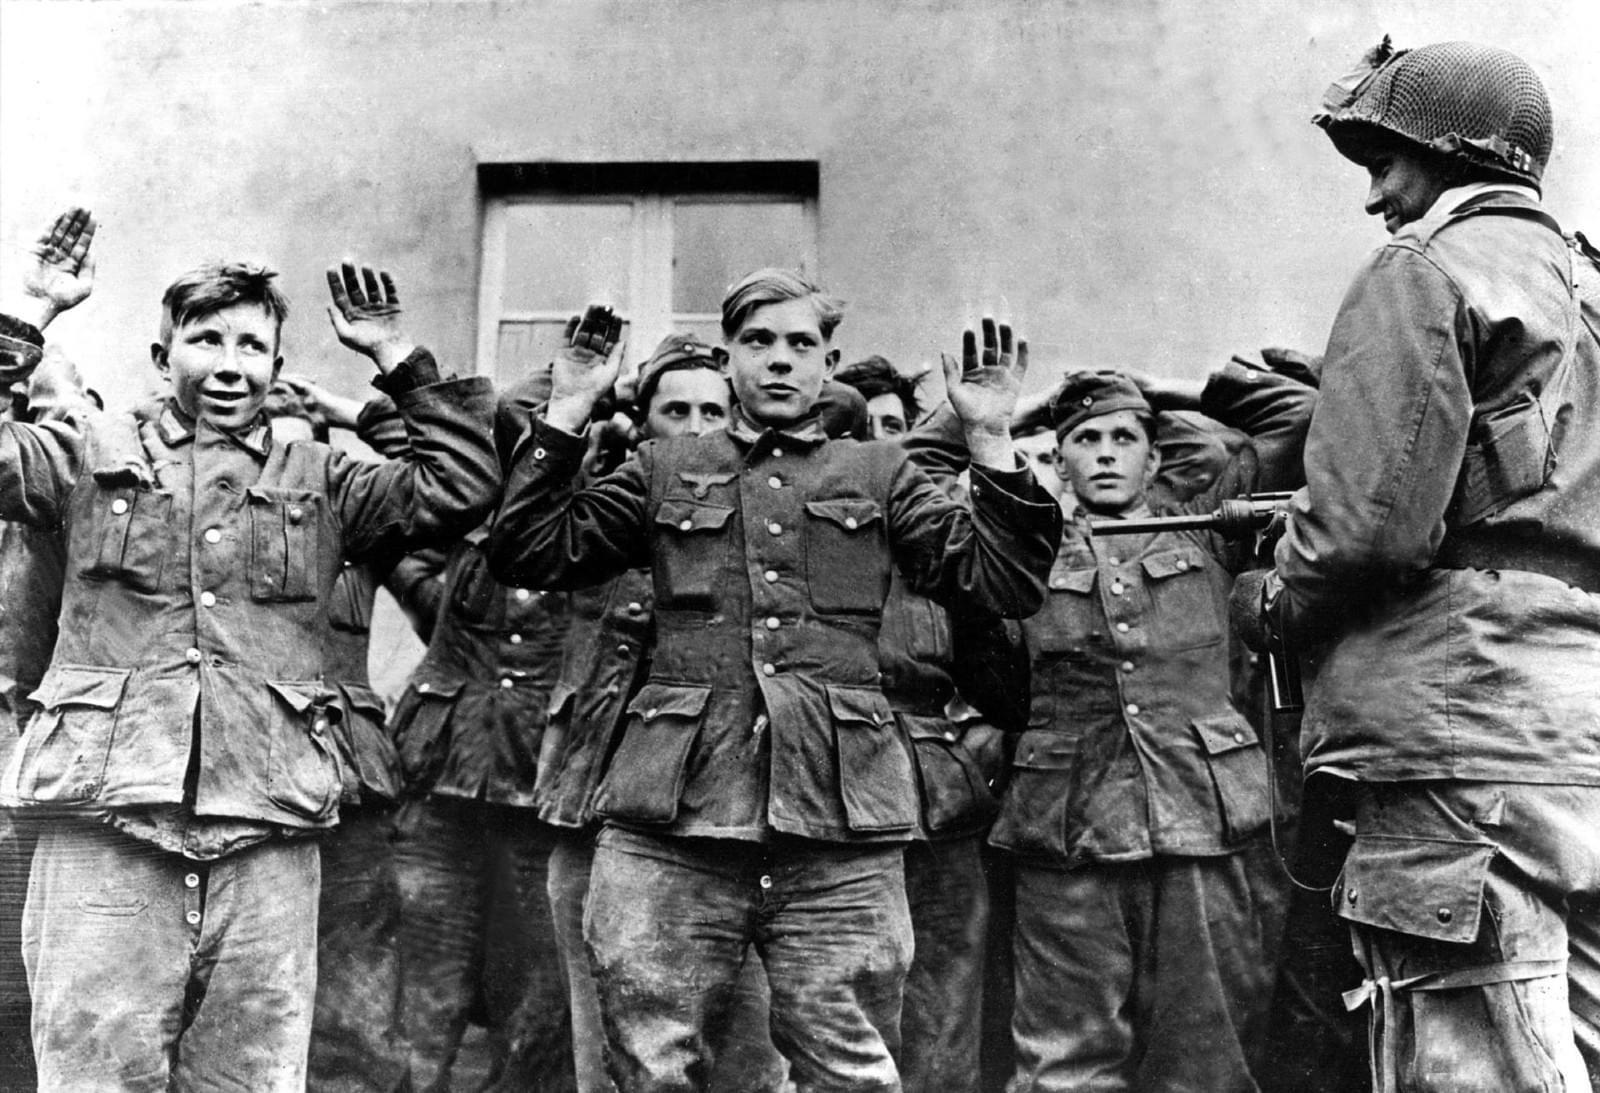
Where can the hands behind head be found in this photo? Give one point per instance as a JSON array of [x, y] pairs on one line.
[[366, 314], [61, 275]]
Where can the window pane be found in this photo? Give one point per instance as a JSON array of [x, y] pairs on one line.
[[560, 257], [715, 244], [526, 346]]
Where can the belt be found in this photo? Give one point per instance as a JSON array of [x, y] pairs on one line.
[[1462, 552]]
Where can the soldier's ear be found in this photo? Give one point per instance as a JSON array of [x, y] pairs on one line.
[[158, 357], [829, 363], [277, 366], [720, 355]]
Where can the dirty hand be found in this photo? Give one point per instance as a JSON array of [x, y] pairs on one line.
[[984, 389], [366, 314], [585, 368]]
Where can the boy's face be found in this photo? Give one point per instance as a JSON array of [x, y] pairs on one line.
[[1109, 461], [778, 361], [688, 402], [222, 365], [886, 416]]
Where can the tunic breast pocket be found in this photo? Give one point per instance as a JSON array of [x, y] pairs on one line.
[[1066, 621], [847, 557], [284, 544], [691, 545], [1186, 608], [132, 537]]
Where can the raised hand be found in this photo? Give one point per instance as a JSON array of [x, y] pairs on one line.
[[366, 314], [62, 274], [984, 387], [585, 367]]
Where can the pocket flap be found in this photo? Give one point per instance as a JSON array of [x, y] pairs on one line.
[[1080, 581], [274, 495], [669, 700], [850, 513], [860, 704], [299, 694], [82, 685], [122, 476], [1429, 888], [1045, 751], [692, 516], [363, 698], [1224, 733], [1170, 563], [437, 688], [928, 727]]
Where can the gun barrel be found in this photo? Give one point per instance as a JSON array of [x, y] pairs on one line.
[[1154, 524]]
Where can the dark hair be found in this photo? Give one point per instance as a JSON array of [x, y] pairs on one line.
[[774, 286], [217, 285], [876, 376]]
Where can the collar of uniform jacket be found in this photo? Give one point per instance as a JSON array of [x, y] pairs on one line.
[[1457, 196], [178, 427], [805, 433]]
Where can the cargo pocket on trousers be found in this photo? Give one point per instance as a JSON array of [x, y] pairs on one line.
[[1033, 813], [62, 756], [1238, 771], [647, 773], [304, 774], [875, 779], [1429, 888]]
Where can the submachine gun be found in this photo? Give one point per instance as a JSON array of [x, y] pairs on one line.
[[1263, 515]]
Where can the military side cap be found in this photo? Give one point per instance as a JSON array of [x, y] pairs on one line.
[[1084, 395], [674, 350]]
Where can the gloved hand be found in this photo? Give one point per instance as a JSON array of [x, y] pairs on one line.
[[1247, 609]]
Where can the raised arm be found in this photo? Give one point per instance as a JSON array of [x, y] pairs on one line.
[[548, 533]]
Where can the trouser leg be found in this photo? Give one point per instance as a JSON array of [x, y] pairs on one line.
[[834, 932], [570, 862], [949, 901], [1462, 898], [440, 860], [357, 1044], [1142, 975], [1314, 1044], [537, 1030], [16, 1044], [253, 988], [152, 972], [667, 925]]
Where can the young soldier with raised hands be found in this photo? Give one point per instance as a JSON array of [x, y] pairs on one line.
[[170, 930], [759, 794]]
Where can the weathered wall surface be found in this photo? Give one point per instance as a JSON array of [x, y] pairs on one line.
[[1135, 182]]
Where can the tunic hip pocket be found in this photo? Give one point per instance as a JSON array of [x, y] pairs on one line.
[[647, 774], [63, 755]]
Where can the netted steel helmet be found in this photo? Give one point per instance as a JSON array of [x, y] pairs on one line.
[[1467, 101]]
